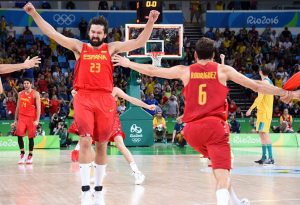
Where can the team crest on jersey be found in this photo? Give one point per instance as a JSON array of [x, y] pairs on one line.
[[103, 51]]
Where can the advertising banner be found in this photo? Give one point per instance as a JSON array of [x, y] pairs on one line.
[[46, 142], [10, 143], [253, 140], [65, 18], [258, 19]]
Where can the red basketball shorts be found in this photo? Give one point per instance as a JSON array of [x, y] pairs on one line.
[[94, 114], [117, 129], [73, 129], [210, 137], [26, 123]]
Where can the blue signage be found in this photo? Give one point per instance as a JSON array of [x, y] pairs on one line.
[[258, 19], [65, 18]]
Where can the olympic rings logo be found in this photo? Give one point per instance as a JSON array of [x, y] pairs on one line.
[[136, 140], [136, 129], [64, 19]]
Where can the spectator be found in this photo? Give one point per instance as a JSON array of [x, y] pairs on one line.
[[42, 84], [46, 5], [28, 36], [173, 107], [70, 5], [59, 79], [278, 81], [114, 6], [232, 108], [47, 54], [6, 86], [277, 112], [42, 115], [253, 32], [11, 31], [53, 67], [178, 133], [151, 101], [62, 91], [122, 107], [284, 127], [239, 113], [11, 108], [2, 34], [1, 135], [288, 118], [82, 26], [149, 86], [219, 5], [53, 46], [210, 33], [3, 21], [54, 106], [234, 125], [39, 130], [63, 134], [123, 7], [157, 84], [103, 5], [272, 65], [227, 32], [12, 130], [53, 124], [56, 72], [194, 7], [71, 109], [286, 33], [159, 127], [295, 111], [287, 44], [226, 42], [283, 75], [267, 32], [157, 95], [230, 61], [254, 67], [217, 42]]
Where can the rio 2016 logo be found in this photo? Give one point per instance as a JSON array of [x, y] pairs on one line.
[[262, 20], [9, 143], [246, 140]]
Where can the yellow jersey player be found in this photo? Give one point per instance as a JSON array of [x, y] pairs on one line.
[[264, 104]]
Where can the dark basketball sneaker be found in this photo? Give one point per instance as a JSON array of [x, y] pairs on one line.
[[269, 161], [261, 161]]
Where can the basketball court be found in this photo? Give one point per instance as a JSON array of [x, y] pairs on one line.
[[173, 176]]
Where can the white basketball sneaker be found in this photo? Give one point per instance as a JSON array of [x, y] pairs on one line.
[[98, 198], [92, 180], [245, 201], [86, 198], [23, 159], [29, 160], [139, 177]]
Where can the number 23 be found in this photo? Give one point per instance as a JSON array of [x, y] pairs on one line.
[[93, 65]]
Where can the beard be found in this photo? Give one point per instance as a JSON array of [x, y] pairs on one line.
[[96, 44]]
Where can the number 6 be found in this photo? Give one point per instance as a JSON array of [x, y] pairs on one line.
[[202, 94]]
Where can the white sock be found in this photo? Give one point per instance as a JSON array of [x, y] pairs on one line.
[[99, 174], [85, 171], [93, 164], [77, 147], [134, 167], [222, 196], [233, 198]]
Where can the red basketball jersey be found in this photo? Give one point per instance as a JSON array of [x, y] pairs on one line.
[[94, 69], [204, 94], [27, 104]]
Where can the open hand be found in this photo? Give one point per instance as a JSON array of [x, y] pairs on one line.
[[248, 113], [153, 16], [32, 62], [29, 8], [119, 60]]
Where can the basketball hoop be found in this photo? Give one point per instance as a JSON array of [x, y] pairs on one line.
[[156, 58]]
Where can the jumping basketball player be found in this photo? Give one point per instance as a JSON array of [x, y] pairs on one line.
[[208, 109], [27, 117], [264, 104], [95, 106], [118, 135]]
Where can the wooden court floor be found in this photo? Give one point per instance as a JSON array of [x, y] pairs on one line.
[[174, 176]]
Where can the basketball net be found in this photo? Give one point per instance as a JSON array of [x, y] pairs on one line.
[[156, 58]]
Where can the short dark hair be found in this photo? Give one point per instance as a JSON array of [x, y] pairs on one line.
[[100, 20], [205, 48], [265, 70], [27, 79]]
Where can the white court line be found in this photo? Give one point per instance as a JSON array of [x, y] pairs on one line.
[[277, 200]]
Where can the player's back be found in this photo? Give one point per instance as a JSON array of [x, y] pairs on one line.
[[204, 95], [94, 69], [266, 105]]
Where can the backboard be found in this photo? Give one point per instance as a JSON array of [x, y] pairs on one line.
[[167, 38]]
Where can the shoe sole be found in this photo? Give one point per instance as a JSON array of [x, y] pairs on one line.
[[29, 163]]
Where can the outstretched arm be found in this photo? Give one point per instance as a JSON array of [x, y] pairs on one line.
[[120, 47], [8, 68], [118, 92], [70, 43], [150, 70]]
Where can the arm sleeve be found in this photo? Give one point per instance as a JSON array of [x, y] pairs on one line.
[[257, 101], [291, 118], [281, 118], [164, 122]]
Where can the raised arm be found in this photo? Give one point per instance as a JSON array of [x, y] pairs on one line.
[[120, 47], [118, 92], [8, 68], [70, 43], [36, 95]]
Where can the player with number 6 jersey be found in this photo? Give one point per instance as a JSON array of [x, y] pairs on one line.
[[206, 108]]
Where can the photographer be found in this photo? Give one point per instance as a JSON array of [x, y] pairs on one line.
[[53, 125], [12, 131], [39, 131], [284, 128], [62, 131]]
